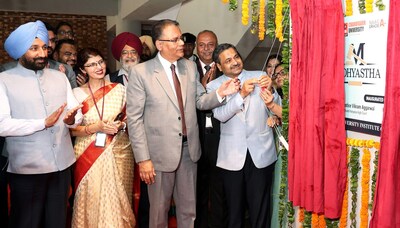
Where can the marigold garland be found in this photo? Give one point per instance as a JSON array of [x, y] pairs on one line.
[[354, 169], [365, 178], [301, 215], [345, 204], [245, 12], [349, 8], [224, 1], [314, 220], [368, 6], [261, 21], [278, 20]]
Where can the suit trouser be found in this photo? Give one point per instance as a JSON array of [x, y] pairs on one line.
[[182, 185], [249, 186], [39, 200], [211, 203]]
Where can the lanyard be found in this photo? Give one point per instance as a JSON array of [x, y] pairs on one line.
[[94, 101]]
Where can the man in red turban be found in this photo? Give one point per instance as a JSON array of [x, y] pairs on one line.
[[126, 48]]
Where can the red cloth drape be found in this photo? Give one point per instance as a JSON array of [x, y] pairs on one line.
[[386, 211], [317, 154]]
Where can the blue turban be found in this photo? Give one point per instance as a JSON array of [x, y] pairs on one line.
[[21, 39]]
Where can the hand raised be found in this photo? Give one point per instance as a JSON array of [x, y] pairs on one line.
[[209, 76], [61, 68], [69, 118], [248, 87], [265, 82], [267, 96], [147, 172], [53, 118], [80, 79], [229, 87]]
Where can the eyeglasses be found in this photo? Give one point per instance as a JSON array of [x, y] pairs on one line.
[[126, 52], [280, 73], [66, 33], [94, 64], [176, 40]]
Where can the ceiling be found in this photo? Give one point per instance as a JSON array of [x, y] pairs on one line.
[[82, 7]]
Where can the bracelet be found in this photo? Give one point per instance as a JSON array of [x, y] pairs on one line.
[[273, 105], [87, 130]]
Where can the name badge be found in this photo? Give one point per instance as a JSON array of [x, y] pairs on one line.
[[100, 139]]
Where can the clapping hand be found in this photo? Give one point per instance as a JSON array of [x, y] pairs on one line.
[[53, 118], [80, 79], [69, 118], [209, 76]]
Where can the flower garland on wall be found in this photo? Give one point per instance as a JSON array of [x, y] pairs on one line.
[[345, 204], [245, 12], [364, 6], [355, 146], [365, 177]]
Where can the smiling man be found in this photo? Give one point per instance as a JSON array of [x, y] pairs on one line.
[[246, 152], [127, 49], [66, 52], [162, 97], [37, 107]]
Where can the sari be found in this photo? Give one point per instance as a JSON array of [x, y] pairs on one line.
[[103, 176]]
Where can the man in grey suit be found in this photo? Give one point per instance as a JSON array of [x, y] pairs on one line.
[[162, 124], [246, 151]]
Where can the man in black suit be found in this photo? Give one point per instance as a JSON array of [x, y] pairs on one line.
[[211, 206], [126, 48]]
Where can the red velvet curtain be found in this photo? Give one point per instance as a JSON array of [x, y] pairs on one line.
[[386, 211], [317, 154]]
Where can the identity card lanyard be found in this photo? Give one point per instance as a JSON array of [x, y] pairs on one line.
[[100, 136]]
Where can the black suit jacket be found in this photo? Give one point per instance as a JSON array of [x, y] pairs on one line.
[[209, 137], [114, 77]]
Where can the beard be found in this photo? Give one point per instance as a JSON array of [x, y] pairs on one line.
[[128, 64], [34, 64]]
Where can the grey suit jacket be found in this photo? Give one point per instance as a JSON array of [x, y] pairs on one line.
[[244, 127], [153, 113], [69, 72]]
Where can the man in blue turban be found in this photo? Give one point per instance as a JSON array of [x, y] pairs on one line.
[[37, 107], [22, 38]]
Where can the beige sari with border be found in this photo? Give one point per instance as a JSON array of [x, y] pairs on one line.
[[103, 176]]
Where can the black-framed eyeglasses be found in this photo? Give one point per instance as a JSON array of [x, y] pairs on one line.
[[176, 40], [94, 64], [280, 73]]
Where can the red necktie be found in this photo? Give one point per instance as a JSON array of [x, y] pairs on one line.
[[178, 91]]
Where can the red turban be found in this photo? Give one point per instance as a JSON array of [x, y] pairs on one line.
[[125, 38]]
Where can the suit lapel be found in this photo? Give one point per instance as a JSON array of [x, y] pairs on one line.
[[183, 79], [162, 78]]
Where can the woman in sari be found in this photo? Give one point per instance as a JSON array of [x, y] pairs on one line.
[[103, 175]]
